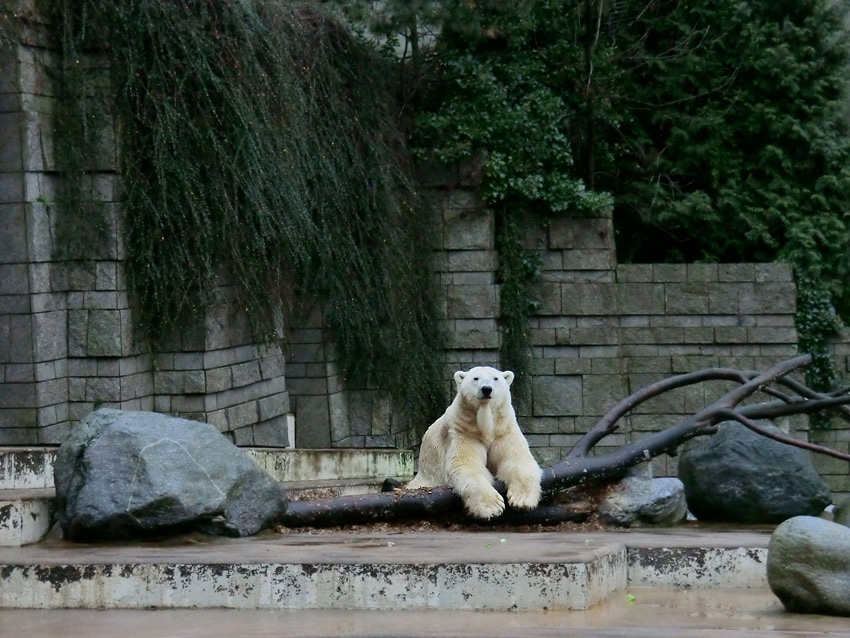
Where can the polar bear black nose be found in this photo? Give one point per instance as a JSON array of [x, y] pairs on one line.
[[486, 391]]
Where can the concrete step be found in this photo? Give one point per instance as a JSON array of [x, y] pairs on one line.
[[25, 516], [32, 467], [26, 467], [323, 465], [311, 490], [401, 571], [26, 481]]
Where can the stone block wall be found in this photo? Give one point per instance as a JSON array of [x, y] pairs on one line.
[[836, 472], [33, 301], [465, 261], [67, 334], [602, 331], [331, 414]]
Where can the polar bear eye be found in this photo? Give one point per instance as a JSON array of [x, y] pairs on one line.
[[475, 378]]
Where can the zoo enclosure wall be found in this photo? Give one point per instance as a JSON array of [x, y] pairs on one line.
[[602, 330]]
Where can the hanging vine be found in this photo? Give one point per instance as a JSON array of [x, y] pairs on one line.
[[816, 322], [260, 146]]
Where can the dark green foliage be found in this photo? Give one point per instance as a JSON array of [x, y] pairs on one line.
[[505, 95], [8, 26], [718, 126], [260, 149], [735, 141], [735, 147], [503, 99], [816, 321]]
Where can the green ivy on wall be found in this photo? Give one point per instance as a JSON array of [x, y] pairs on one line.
[[259, 147], [503, 98], [816, 322]]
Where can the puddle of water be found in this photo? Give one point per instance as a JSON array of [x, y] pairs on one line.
[[633, 613]]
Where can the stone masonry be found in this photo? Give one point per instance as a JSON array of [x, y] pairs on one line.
[[67, 341], [603, 330]]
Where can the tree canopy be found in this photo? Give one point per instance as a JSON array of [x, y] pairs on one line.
[[717, 129]]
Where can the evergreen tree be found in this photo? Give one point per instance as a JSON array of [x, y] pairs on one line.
[[735, 136]]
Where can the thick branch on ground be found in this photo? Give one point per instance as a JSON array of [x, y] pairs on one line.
[[579, 468]]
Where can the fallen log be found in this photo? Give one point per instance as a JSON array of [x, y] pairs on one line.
[[580, 467]]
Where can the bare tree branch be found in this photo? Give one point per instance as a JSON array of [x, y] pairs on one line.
[[580, 467], [755, 427]]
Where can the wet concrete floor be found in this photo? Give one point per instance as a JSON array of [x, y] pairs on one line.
[[634, 613]]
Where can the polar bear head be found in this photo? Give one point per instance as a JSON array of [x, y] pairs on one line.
[[483, 385]]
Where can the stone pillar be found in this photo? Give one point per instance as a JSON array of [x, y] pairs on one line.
[[33, 307], [466, 263], [329, 412], [320, 401]]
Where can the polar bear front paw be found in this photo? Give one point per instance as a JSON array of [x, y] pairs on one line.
[[524, 495], [487, 505]]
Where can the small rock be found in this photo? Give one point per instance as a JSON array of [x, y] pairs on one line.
[[648, 501], [808, 566], [122, 475]]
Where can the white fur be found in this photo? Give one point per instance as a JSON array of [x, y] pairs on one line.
[[477, 439]]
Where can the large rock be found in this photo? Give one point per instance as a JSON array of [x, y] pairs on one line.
[[136, 474], [738, 476], [638, 501], [808, 566]]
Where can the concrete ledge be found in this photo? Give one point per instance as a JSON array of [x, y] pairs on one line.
[[32, 467], [702, 567], [25, 516], [304, 571], [26, 467], [311, 490], [376, 571], [700, 558], [330, 464]]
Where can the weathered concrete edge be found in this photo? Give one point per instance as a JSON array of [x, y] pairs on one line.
[[517, 586], [513, 586], [25, 517], [32, 467], [700, 567]]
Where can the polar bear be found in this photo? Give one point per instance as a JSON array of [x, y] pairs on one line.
[[477, 439]]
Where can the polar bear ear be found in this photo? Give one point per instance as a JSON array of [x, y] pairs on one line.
[[509, 376], [459, 376]]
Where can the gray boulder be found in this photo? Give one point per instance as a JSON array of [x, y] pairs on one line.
[[123, 475], [638, 501], [808, 566], [738, 476]]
